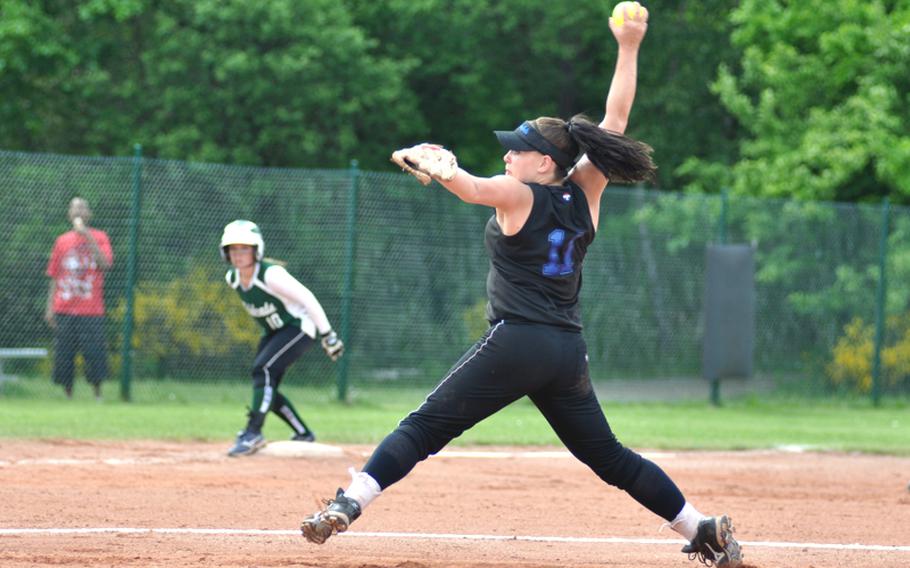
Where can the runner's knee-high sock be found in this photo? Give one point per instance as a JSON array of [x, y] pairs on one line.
[[286, 411], [256, 418]]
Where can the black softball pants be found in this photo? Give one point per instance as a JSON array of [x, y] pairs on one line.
[[549, 365], [275, 354]]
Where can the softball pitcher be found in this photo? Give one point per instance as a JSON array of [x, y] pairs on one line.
[[547, 208], [290, 316]]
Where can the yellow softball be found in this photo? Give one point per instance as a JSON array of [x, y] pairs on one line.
[[633, 9]]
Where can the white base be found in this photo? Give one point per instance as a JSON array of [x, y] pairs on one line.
[[291, 449]]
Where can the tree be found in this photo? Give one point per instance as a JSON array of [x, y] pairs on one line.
[[279, 83], [317, 83], [271, 83], [822, 97], [489, 64]]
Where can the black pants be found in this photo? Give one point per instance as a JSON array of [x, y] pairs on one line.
[[79, 334], [550, 366], [275, 354]]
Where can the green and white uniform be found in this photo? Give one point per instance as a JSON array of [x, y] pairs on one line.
[[290, 316], [276, 299]]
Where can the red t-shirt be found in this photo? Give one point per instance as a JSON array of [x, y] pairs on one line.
[[80, 283]]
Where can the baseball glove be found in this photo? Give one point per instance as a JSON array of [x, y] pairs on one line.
[[427, 162]]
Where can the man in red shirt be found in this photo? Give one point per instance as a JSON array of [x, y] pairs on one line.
[[75, 299]]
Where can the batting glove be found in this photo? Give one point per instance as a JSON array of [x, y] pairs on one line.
[[332, 346]]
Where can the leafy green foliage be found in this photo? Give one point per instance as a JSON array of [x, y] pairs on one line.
[[487, 65], [315, 84], [822, 95], [270, 83]]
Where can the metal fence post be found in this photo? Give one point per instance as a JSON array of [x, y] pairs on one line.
[[127, 349], [880, 306], [721, 239], [348, 289], [722, 221]]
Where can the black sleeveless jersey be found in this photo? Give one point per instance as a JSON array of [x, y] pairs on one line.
[[535, 275]]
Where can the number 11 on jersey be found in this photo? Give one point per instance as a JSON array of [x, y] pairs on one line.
[[559, 261]]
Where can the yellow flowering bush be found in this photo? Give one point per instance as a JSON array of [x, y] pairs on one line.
[[193, 316], [851, 363]]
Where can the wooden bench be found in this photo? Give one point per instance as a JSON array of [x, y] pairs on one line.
[[18, 353]]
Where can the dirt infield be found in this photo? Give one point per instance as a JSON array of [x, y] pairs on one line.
[[191, 506]]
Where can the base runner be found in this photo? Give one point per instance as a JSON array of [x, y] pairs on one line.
[[290, 316]]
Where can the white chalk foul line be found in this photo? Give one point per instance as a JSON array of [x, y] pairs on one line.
[[293, 449], [445, 536]]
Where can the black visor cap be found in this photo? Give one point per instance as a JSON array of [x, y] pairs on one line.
[[526, 138]]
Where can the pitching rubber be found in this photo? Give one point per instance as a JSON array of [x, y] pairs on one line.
[[289, 449]]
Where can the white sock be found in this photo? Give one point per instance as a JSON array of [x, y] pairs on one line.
[[686, 522], [363, 488]]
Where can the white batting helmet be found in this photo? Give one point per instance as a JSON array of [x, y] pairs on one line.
[[242, 232]]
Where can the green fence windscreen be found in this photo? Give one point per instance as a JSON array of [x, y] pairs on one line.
[[419, 267]]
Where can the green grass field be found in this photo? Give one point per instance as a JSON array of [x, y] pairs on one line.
[[181, 411]]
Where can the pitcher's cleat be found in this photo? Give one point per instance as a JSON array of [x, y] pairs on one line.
[[305, 437], [714, 544], [335, 518]]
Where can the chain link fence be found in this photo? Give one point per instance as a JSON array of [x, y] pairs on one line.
[[400, 270]]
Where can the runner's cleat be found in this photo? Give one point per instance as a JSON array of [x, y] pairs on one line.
[[247, 443]]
